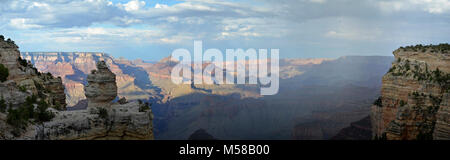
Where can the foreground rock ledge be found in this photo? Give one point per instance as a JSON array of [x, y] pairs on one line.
[[123, 122]]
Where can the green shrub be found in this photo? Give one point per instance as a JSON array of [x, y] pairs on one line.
[[22, 89], [20, 117], [144, 107], [57, 106], [407, 67], [31, 100], [10, 41], [3, 105], [102, 113], [392, 69], [16, 118], [381, 138], [443, 48], [22, 62], [378, 102], [402, 103], [4, 73], [41, 114], [425, 136]]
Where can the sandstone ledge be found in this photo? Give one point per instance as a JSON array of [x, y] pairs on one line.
[[123, 122]]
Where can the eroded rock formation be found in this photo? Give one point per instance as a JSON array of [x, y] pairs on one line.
[[414, 96], [121, 122], [101, 88]]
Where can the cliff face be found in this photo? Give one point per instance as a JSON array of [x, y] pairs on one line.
[[414, 96], [21, 90], [121, 122], [24, 80]]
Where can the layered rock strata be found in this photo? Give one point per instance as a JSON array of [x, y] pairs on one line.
[[101, 88], [414, 96], [24, 80], [121, 122]]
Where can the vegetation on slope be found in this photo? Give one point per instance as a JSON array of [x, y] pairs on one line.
[[4, 73], [440, 48], [405, 68], [34, 110]]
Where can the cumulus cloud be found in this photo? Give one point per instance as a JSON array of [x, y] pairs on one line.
[[287, 23], [61, 13]]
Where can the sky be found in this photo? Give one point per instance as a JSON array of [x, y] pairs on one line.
[[152, 29]]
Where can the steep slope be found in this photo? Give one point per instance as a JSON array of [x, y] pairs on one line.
[[20, 91], [414, 95], [24, 80]]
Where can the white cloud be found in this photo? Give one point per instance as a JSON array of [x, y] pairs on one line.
[[103, 23], [133, 5], [23, 23], [430, 6], [157, 5]]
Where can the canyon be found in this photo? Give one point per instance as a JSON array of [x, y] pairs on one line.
[[89, 96], [322, 95]]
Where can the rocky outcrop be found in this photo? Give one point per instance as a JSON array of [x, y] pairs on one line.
[[414, 95], [102, 120], [25, 94], [24, 80], [442, 127], [101, 88], [120, 122]]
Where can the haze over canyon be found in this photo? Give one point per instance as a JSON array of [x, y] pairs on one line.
[[317, 97]]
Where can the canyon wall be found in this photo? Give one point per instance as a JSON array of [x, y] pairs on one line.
[[414, 96]]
